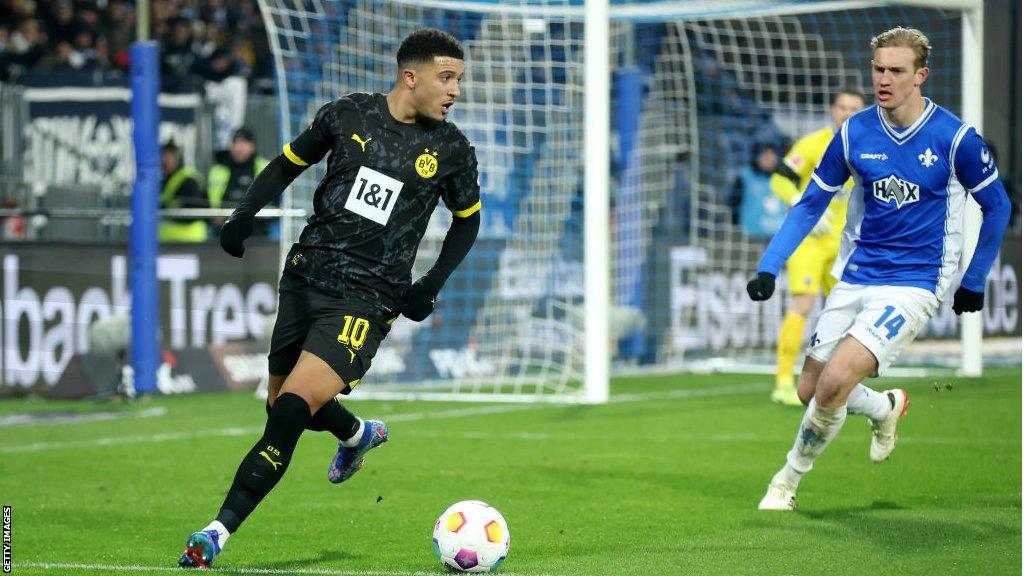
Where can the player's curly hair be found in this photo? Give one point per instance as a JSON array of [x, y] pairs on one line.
[[426, 43], [908, 38]]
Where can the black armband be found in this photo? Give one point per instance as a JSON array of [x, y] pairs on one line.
[[786, 172]]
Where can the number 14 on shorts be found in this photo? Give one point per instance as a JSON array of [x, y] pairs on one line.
[[890, 322]]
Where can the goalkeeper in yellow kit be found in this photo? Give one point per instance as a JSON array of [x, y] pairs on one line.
[[809, 268]]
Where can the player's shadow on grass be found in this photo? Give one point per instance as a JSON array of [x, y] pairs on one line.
[[849, 512], [323, 557], [902, 533]]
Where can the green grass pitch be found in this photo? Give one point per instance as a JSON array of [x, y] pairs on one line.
[[665, 479]]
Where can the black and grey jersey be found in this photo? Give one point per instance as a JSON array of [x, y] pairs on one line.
[[371, 209]]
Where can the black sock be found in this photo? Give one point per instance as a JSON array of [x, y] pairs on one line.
[[266, 462], [333, 417]]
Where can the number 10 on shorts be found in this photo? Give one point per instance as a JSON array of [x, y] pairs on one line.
[[354, 332], [893, 324]]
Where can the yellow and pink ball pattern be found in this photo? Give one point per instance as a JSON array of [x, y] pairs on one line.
[[471, 536]]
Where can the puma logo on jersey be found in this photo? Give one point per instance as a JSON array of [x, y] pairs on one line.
[[269, 459], [893, 189], [927, 158], [362, 143]]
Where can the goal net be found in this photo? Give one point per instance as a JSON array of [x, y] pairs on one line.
[[698, 90], [720, 91]]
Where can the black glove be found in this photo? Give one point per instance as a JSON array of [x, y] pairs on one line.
[[967, 301], [761, 287], [234, 232], [418, 301]]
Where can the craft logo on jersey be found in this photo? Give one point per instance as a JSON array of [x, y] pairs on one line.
[[927, 158], [426, 164], [893, 189]]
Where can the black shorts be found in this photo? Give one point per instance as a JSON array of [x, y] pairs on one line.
[[345, 333]]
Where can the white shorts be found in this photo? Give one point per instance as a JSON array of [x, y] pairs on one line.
[[882, 318]]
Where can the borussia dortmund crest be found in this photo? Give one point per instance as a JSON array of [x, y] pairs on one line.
[[426, 164]]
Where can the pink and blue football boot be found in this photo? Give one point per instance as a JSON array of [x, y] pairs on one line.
[[200, 549], [348, 461]]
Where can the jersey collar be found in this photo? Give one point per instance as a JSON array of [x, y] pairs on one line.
[[899, 137], [391, 123]]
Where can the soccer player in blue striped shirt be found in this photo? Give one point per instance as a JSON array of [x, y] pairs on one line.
[[913, 165]]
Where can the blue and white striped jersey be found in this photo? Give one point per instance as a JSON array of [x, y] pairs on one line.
[[904, 223]]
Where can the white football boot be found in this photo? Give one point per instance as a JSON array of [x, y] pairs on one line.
[[781, 495], [883, 432]]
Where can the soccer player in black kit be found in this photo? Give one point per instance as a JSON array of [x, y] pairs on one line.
[[390, 159]]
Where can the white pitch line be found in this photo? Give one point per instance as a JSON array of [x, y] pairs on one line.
[[740, 437], [123, 568], [400, 417], [687, 393], [459, 412], [41, 419], [117, 440], [243, 431]]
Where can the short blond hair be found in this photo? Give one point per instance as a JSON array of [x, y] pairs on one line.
[[907, 38]]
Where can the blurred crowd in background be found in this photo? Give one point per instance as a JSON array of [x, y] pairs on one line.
[[200, 40], [215, 48]]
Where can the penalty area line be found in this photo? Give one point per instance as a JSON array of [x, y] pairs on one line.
[[687, 393], [398, 417], [129, 568], [245, 431]]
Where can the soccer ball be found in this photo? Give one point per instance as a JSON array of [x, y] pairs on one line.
[[471, 536]]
